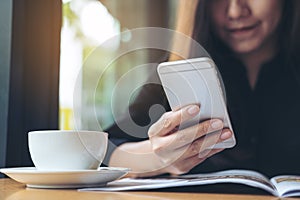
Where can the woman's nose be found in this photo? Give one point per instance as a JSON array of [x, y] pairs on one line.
[[237, 9]]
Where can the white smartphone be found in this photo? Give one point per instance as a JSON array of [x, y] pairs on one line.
[[196, 81]]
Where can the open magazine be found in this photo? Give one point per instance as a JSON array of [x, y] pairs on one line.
[[281, 186]]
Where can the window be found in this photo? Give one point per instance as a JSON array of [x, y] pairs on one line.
[[94, 80]]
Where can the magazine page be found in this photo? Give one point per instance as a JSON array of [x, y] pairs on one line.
[[125, 184], [287, 185], [246, 177]]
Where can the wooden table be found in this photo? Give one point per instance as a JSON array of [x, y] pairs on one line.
[[11, 190]]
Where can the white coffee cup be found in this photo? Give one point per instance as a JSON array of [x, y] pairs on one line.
[[67, 150]]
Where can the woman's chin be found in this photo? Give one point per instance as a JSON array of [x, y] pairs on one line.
[[243, 49]]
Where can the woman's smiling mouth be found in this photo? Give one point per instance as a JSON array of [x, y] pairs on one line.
[[244, 31]]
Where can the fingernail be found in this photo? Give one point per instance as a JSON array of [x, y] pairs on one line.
[[216, 124], [225, 135], [167, 123], [193, 110]]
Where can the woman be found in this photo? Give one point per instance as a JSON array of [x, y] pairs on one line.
[[254, 45]]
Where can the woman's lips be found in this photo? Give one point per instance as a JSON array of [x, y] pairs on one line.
[[242, 31]]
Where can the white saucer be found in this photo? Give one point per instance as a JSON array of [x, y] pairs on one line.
[[64, 179]]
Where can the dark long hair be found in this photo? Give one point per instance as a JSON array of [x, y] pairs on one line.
[[289, 29]]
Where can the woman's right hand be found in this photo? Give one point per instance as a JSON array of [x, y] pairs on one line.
[[181, 150]]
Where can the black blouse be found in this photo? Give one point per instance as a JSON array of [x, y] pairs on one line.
[[265, 119]]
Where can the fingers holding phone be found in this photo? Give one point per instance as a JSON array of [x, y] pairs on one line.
[[178, 147]]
